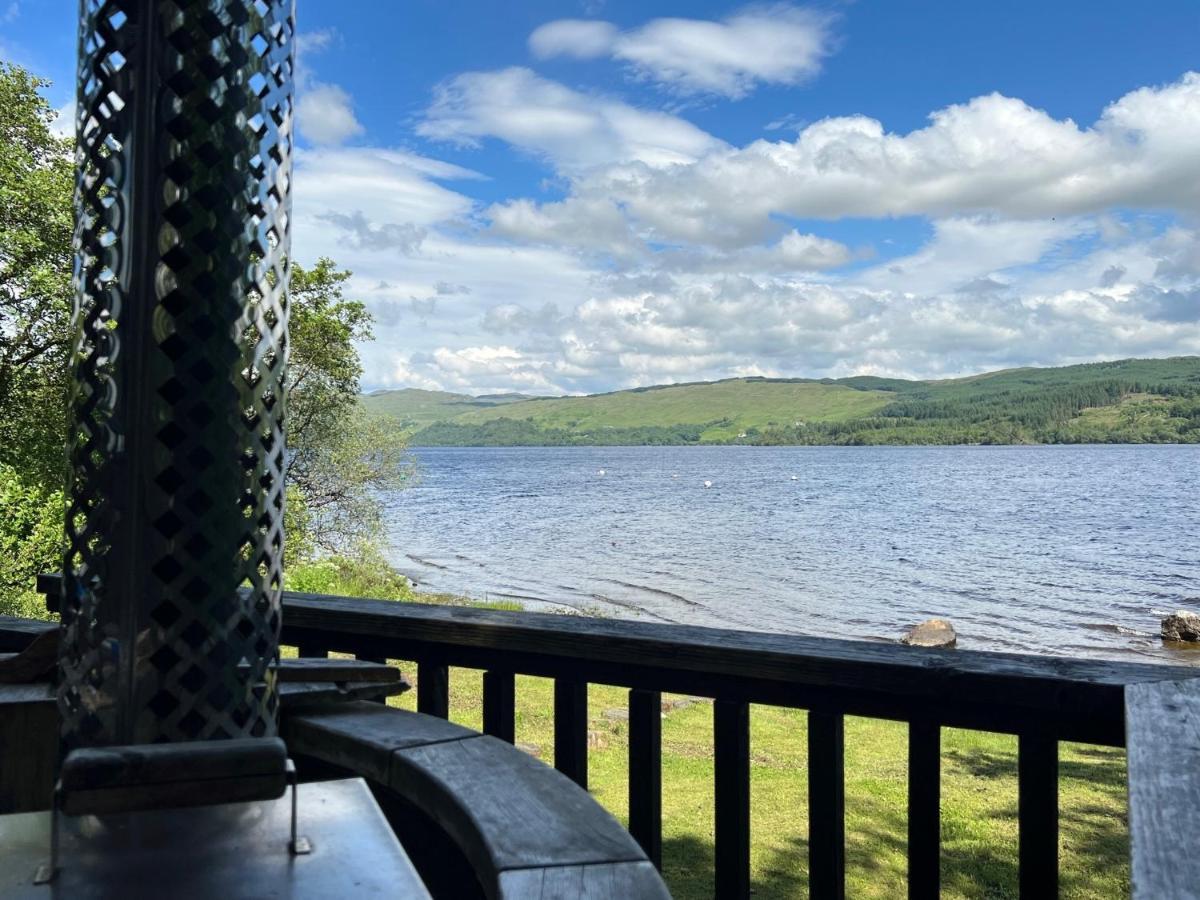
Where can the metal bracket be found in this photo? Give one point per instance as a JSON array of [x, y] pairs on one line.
[[45, 873], [298, 845]]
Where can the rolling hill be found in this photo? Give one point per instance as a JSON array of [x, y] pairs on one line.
[[1134, 400]]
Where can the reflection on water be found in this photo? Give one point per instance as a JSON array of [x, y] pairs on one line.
[[1071, 550]]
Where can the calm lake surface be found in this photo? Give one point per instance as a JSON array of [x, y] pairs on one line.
[[1071, 550]]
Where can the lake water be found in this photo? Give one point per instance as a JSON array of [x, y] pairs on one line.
[[1070, 550]]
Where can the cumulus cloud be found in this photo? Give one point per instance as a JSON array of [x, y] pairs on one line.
[[711, 261], [573, 130], [992, 154], [325, 115], [778, 44]]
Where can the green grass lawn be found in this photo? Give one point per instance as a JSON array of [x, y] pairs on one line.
[[979, 796]]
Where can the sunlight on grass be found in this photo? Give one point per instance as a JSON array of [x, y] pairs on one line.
[[979, 796]]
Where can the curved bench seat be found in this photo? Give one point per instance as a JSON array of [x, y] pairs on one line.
[[526, 829]]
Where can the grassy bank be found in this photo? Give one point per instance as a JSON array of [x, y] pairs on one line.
[[979, 796]]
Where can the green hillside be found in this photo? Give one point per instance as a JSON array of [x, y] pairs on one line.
[[1126, 401], [414, 408]]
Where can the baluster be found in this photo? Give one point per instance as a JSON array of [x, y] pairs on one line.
[[1037, 811], [924, 808], [433, 689], [499, 705], [826, 805], [731, 758], [373, 659], [570, 729], [645, 772]]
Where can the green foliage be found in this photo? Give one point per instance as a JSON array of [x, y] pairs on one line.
[[30, 542], [36, 183], [1157, 400], [364, 574], [341, 455], [414, 408]]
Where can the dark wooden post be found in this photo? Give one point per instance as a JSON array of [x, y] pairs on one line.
[[570, 729], [1037, 815], [924, 808], [645, 771], [731, 761], [826, 805], [500, 705], [433, 689]]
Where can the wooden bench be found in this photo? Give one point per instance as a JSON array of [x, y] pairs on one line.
[[526, 829]]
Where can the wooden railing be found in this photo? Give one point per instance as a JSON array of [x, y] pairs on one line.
[[1041, 700]]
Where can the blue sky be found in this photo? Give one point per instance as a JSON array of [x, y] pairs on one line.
[[558, 197]]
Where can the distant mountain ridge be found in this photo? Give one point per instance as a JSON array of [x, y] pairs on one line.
[[1122, 401]]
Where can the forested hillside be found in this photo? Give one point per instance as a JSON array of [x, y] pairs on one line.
[[1125, 401]]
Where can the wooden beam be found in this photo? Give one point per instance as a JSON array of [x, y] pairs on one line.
[[924, 809], [826, 806], [731, 764], [433, 689], [499, 705], [1037, 816], [645, 772], [1066, 698], [570, 729], [1163, 722]]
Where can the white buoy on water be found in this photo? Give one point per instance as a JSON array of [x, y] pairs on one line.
[[600, 472], [795, 478], [708, 484]]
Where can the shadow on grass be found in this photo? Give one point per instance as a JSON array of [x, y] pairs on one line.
[[977, 859]]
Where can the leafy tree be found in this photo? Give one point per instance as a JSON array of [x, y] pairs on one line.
[[340, 456], [36, 183]]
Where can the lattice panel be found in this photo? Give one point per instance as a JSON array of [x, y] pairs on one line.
[[171, 611]]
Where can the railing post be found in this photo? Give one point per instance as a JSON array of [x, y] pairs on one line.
[[433, 689], [645, 772], [1037, 813], [826, 805], [499, 705], [731, 758], [570, 729], [373, 659], [924, 808]]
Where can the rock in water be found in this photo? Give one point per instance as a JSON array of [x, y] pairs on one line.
[[1182, 627], [931, 633]]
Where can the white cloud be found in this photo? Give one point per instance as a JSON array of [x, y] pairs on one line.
[[63, 125], [575, 131], [777, 44], [650, 270], [325, 115], [577, 38], [994, 154], [316, 41]]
